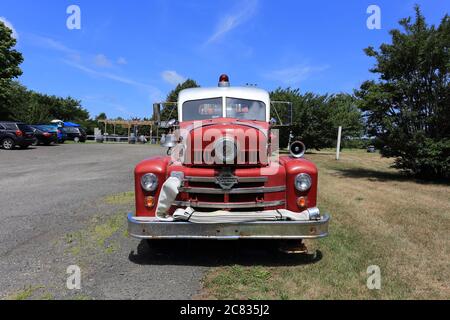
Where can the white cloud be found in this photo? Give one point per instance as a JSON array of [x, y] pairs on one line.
[[122, 61], [51, 44], [295, 74], [244, 12], [153, 90], [74, 59], [172, 77], [100, 60], [10, 26]]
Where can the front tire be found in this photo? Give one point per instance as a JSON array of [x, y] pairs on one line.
[[8, 144]]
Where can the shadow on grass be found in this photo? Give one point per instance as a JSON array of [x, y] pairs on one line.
[[385, 176], [211, 253]]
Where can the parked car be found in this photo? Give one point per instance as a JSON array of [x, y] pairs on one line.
[[76, 134], [371, 149], [44, 135], [14, 134], [60, 133]]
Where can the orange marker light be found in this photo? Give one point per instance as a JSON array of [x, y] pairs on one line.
[[149, 202], [302, 202]]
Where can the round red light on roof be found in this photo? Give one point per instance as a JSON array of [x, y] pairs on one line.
[[224, 78]]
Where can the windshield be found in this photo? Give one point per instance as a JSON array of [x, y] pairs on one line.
[[202, 109], [246, 109]]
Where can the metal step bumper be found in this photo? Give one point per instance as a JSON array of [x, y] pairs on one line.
[[151, 228]]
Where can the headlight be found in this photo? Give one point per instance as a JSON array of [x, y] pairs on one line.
[[149, 182], [303, 182]]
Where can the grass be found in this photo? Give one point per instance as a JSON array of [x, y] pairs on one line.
[[120, 199], [47, 296], [379, 217], [97, 237], [25, 294]]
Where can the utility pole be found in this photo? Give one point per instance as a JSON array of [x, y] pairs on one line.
[[338, 149]]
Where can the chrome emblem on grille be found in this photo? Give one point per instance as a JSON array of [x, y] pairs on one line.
[[226, 180]]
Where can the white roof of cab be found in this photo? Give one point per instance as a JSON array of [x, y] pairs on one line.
[[249, 93]]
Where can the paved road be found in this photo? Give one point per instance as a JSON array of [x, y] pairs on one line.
[[49, 194]]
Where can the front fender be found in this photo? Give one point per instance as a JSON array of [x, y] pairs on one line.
[[293, 167], [158, 166]]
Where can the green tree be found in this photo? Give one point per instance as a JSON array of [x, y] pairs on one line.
[[317, 117], [170, 111], [408, 107], [101, 116], [10, 59], [33, 107], [344, 112]]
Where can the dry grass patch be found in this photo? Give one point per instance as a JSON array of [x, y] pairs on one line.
[[379, 217]]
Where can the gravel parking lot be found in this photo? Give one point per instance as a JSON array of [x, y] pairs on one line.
[[56, 210]]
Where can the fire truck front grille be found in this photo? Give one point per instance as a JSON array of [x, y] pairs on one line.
[[250, 193]]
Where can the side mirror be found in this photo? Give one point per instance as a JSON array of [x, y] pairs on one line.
[[171, 123], [273, 121], [282, 110]]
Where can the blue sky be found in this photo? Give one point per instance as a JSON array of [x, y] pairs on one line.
[[129, 54]]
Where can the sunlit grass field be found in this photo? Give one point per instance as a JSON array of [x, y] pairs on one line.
[[379, 217]]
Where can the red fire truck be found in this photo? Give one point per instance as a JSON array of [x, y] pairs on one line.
[[223, 177]]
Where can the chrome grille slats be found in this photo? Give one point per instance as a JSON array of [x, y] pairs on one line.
[[213, 179], [249, 193]]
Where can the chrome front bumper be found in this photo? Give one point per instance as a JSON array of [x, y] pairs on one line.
[[151, 228]]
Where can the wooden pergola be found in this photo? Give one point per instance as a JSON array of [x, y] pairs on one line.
[[138, 123], [128, 124]]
